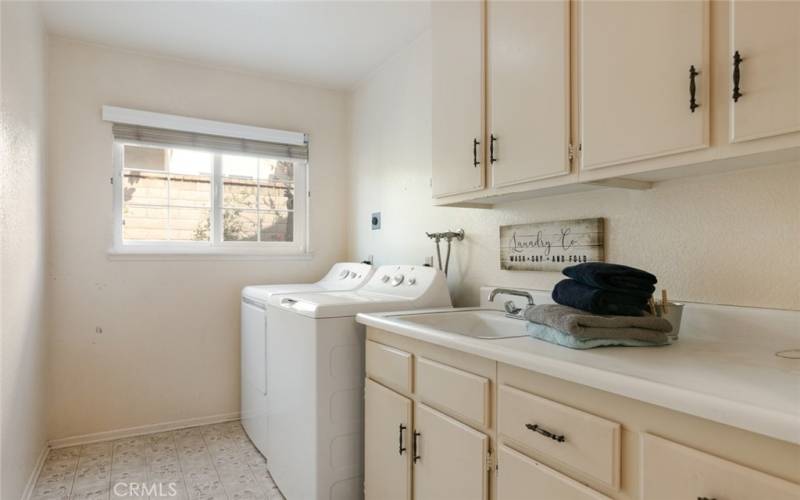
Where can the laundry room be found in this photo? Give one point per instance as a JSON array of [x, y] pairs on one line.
[[402, 249]]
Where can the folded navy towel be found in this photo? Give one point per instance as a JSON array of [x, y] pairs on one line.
[[598, 301], [613, 277]]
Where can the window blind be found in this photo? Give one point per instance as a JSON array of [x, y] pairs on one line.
[[177, 138]]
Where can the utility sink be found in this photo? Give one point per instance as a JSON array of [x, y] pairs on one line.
[[475, 323]]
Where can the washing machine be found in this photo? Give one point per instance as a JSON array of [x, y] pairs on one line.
[[316, 379], [254, 330]]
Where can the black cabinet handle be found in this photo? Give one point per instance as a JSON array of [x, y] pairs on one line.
[[492, 138], [693, 88], [737, 60], [705, 498], [475, 161], [401, 448], [555, 437], [416, 447]]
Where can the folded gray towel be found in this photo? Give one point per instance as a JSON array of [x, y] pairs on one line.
[[586, 326]]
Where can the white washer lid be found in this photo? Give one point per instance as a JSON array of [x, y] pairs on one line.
[[340, 304], [262, 293]]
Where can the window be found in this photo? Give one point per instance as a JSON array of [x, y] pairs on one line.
[[166, 194], [199, 201], [191, 186]]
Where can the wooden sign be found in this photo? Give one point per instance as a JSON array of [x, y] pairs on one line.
[[551, 246]]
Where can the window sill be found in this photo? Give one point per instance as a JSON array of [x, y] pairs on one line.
[[144, 254]]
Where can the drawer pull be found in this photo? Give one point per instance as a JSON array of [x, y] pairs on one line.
[[737, 61], [555, 437], [416, 447], [402, 448], [705, 498], [692, 88]]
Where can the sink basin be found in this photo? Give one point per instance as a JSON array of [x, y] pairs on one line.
[[476, 323]]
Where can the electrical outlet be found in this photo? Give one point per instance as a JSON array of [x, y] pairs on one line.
[[376, 220]]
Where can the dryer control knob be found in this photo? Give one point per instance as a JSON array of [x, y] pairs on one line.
[[412, 281], [343, 274], [385, 278], [397, 279]]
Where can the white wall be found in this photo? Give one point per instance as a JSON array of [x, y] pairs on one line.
[[169, 347], [729, 238], [22, 223]]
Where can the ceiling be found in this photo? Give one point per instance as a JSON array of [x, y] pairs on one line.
[[328, 43]]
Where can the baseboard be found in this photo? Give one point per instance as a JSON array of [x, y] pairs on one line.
[[28, 492], [142, 429]]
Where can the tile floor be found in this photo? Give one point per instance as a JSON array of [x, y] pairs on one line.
[[209, 462]]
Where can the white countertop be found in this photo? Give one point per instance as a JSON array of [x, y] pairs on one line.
[[723, 368]]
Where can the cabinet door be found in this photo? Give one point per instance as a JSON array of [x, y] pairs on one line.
[[520, 477], [451, 463], [671, 471], [457, 31], [635, 60], [387, 444], [529, 121], [767, 37]]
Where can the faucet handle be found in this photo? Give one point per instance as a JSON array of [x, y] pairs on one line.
[[511, 307]]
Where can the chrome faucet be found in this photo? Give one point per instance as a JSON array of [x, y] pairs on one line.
[[512, 311]]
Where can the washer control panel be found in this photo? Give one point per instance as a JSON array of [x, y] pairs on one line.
[[348, 275], [405, 280]]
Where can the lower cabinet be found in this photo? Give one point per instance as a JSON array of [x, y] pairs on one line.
[[387, 437], [671, 470], [454, 426], [523, 478], [450, 460]]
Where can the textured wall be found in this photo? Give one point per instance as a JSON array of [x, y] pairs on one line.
[[731, 238], [169, 347], [22, 225]]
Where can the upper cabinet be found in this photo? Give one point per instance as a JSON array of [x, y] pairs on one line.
[[765, 69], [644, 80], [529, 91], [457, 30], [600, 92]]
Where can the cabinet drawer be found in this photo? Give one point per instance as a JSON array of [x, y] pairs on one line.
[[389, 365], [588, 443], [448, 388], [518, 476], [670, 471]]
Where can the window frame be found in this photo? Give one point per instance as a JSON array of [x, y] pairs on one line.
[[299, 247]]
